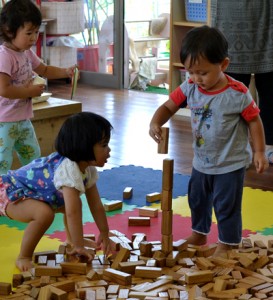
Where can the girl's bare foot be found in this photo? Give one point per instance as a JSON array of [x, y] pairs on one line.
[[24, 263], [222, 250], [197, 239]]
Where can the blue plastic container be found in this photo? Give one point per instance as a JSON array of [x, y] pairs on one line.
[[196, 10]]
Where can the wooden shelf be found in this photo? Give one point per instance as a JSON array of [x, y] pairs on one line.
[[179, 28]]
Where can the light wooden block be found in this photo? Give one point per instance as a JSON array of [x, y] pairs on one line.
[[5, 288], [162, 147], [167, 177], [148, 272], [152, 197], [128, 193], [199, 277], [74, 268], [113, 205], [148, 212], [167, 222], [48, 271], [117, 276], [139, 221], [166, 200]]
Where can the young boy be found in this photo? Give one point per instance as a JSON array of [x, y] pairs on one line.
[[222, 114]]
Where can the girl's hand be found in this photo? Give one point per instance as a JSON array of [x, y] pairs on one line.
[[70, 71], [81, 251], [104, 241], [36, 90]]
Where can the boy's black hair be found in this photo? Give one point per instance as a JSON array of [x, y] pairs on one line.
[[14, 14], [79, 133], [207, 42]]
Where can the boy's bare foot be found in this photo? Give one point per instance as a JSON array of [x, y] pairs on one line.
[[24, 263], [222, 250], [197, 239]]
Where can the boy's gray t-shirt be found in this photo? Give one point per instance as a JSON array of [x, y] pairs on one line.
[[220, 133]]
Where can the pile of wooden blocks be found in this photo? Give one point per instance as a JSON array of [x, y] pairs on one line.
[[149, 270], [141, 270]]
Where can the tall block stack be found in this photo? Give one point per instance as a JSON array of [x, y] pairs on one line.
[[166, 206]]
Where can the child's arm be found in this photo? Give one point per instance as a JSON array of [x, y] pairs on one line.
[[160, 117], [73, 215], [98, 212], [53, 72], [8, 90], [258, 141]]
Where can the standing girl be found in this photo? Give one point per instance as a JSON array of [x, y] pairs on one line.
[[19, 29], [35, 192]]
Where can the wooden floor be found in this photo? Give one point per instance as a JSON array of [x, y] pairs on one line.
[[130, 112]]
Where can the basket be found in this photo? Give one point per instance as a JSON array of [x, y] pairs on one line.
[[196, 10]]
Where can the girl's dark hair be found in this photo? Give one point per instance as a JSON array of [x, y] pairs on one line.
[[14, 14], [207, 42], [79, 133]]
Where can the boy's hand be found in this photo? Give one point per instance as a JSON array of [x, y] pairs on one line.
[[155, 132], [260, 161]]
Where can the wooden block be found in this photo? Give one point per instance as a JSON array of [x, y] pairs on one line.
[[128, 193], [207, 250], [180, 245], [58, 294], [146, 248], [204, 264], [173, 294], [65, 285], [172, 258], [260, 244], [17, 279], [246, 243], [113, 205], [167, 177], [117, 276], [44, 280], [34, 292], [62, 249], [45, 293], [166, 243], [123, 294], [166, 200], [130, 266], [74, 268], [167, 222], [152, 197], [5, 288], [199, 277], [48, 271], [148, 212], [121, 256], [112, 289], [50, 255], [42, 260], [163, 144], [139, 221], [90, 236], [137, 238], [219, 285], [148, 272]]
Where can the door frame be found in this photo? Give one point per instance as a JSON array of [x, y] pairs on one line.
[[115, 80]]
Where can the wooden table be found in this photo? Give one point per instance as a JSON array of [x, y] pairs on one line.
[[48, 118]]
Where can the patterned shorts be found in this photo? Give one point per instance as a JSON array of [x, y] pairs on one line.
[[4, 200]]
